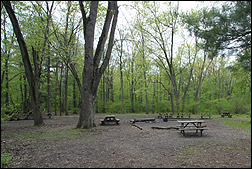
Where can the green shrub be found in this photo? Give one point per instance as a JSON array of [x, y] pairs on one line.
[[239, 105], [5, 159]]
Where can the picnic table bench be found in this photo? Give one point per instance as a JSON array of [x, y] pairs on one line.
[[175, 116], [160, 116], [110, 119], [205, 115], [165, 119], [191, 125], [226, 114], [182, 115]]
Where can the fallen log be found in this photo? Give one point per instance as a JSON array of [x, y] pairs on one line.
[[143, 120], [137, 126], [164, 128]]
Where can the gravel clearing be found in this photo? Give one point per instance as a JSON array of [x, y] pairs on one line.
[[57, 144]]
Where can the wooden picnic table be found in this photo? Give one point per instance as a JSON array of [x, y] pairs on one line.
[[191, 125], [226, 114], [205, 115], [110, 119]]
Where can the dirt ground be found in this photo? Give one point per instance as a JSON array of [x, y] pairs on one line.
[[57, 144]]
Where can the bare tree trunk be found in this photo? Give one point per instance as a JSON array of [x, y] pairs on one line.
[[92, 73], [33, 78], [146, 95], [74, 97], [26, 107], [60, 89], [202, 77], [223, 89], [111, 84], [56, 87], [172, 102], [103, 94], [145, 79], [178, 93], [107, 91], [38, 120], [7, 84], [132, 89], [48, 83], [6, 67], [86, 119], [121, 74], [190, 76], [66, 89]]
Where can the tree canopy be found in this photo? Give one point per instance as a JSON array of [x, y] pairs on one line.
[[91, 57]]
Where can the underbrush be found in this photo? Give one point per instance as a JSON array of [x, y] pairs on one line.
[[5, 159]]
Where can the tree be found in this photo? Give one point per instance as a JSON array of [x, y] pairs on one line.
[[226, 28], [120, 53], [92, 73], [38, 120], [191, 72], [158, 25], [32, 77]]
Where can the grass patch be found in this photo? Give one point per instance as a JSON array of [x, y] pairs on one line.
[[244, 125]]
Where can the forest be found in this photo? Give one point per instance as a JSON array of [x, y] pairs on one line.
[[87, 58]]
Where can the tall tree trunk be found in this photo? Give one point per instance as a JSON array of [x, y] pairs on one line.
[[172, 102], [92, 73], [6, 67], [172, 73], [48, 83], [60, 89], [158, 91], [74, 97], [103, 94], [107, 84], [26, 99], [38, 120], [178, 93], [223, 85], [111, 85], [191, 70], [7, 84], [56, 88], [21, 87], [86, 119], [146, 95], [66, 90], [202, 77], [121, 76], [132, 89], [33, 78], [145, 78]]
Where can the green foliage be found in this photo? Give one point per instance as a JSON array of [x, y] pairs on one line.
[[221, 105], [240, 105], [143, 72], [223, 28], [5, 159]]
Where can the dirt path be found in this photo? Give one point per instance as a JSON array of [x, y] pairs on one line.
[[58, 144]]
